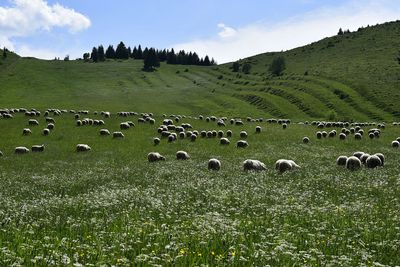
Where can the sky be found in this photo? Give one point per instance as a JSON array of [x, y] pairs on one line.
[[226, 30]]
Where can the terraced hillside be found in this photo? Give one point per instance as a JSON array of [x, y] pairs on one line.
[[349, 77]]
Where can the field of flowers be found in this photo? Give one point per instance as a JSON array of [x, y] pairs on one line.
[[110, 206]]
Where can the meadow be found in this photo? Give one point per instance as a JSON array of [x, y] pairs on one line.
[[110, 206]]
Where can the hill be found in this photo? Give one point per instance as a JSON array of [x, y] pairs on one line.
[[352, 76]]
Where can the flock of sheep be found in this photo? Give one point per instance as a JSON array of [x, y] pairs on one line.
[[170, 130]]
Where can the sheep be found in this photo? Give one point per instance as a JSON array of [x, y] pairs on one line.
[[284, 126], [353, 163], [332, 133], [33, 122], [131, 124], [155, 156], [82, 148], [342, 136], [182, 135], [319, 135], [253, 165], [242, 144], [229, 133], [193, 137], [26, 131], [306, 140], [171, 138], [220, 134], [118, 135], [182, 155], [381, 157], [364, 157], [49, 119], [1, 153], [77, 116], [283, 165], [341, 161], [221, 123], [124, 126], [258, 129], [46, 131], [243, 134], [373, 161], [21, 150], [395, 144], [50, 126], [224, 141], [37, 148], [104, 132], [358, 136], [358, 154], [156, 141], [209, 134], [324, 134], [214, 165], [203, 134]]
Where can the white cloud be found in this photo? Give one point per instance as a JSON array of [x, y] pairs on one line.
[[27, 17], [232, 44]]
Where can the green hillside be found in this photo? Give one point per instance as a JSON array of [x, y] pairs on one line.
[[353, 76]]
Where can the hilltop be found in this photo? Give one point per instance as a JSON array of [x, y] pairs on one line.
[[351, 76]]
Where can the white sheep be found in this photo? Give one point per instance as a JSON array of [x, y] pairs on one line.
[[182, 155], [373, 161], [253, 165], [82, 148], [242, 144], [353, 163], [50, 126], [104, 132], [193, 137], [37, 148], [124, 126], [341, 161], [258, 129], [306, 140], [214, 164], [155, 156], [243, 134], [46, 131], [395, 144], [33, 122], [381, 157], [224, 141], [118, 135], [26, 131], [156, 140], [21, 150], [283, 165]]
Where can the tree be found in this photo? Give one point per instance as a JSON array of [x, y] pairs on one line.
[[94, 56], [100, 53], [340, 31], [139, 53], [171, 57], [66, 58], [110, 52], [121, 52], [4, 52], [277, 66], [246, 68], [207, 61], [151, 60], [86, 56], [235, 66]]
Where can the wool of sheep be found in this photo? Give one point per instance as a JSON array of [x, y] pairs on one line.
[[341, 161], [224, 141], [242, 144], [373, 161], [253, 165], [37, 148], [283, 165], [21, 150], [155, 156], [214, 164], [182, 155], [118, 135], [83, 148], [353, 163]]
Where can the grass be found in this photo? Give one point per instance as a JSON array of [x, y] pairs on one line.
[[110, 206]]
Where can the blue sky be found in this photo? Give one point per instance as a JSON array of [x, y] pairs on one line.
[[225, 30]]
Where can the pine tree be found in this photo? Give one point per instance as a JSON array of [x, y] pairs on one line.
[[246, 68], [4, 52], [129, 52], [145, 52], [121, 52], [94, 55], [100, 53], [110, 52], [277, 66], [134, 52], [340, 31], [235, 66], [151, 60], [139, 53], [86, 56], [206, 61], [171, 57]]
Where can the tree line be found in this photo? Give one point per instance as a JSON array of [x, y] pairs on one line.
[[151, 55]]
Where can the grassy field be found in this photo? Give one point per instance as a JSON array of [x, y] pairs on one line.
[[110, 206]]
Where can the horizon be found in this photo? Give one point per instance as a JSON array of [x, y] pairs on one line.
[[49, 29]]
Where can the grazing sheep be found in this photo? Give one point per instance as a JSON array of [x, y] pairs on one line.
[[154, 156], [46, 131], [77, 116], [395, 144], [182, 155], [242, 144], [131, 124], [82, 148], [33, 122], [37, 148], [342, 136], [324, 134], [353, 163], [1, 153], [21, 150], [229, 133], [253, 165], [341, 161], [49, 119], [243, 134], [306, 140], [284, 126], [220, 133], [209, 134], [258, 129], [358, 136], [283, 165], [381, 157], [221, 123], [50, 126], [214, 133], [224, 141], [319, 135], [358, 154], [104, 132], [171, 138], [373, 162], [156, 141], [118, 135], [364, 157], [26, 131], [214, 165], [124, 126]]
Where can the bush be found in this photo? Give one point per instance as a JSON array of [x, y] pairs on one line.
[[277, 66], [246, 68]]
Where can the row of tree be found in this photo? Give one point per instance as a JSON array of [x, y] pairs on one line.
[[99, 54], [276, 67]]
